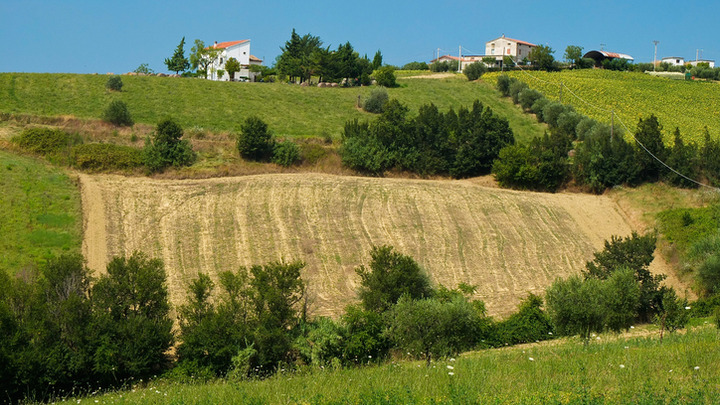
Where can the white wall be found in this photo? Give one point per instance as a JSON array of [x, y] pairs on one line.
[[241, 52]]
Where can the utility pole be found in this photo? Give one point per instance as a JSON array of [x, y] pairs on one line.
[[561, 84], [459, 58], [602, 47], [655, 55]]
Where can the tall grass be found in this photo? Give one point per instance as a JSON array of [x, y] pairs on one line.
[[289, 110], [683, 368], [39, 212]]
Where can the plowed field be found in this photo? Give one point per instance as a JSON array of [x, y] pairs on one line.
[[507, 243]]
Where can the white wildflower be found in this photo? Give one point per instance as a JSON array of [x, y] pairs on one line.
[[531, 359], [450, 367], [451, 373], [697, 367], [622, 366]]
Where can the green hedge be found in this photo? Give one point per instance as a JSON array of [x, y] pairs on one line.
[[44, 141], [105, 156]]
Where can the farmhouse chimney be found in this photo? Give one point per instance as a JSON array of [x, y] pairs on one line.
[[215, 46]]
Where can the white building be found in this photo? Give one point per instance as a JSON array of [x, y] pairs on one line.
[[503, 46], [673, 60], [239, 50], [708, 61]]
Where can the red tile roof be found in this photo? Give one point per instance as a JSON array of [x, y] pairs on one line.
[[520, 42], [227, 44], [254, 58]]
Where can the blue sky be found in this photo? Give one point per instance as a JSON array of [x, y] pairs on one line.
[[116, 36]]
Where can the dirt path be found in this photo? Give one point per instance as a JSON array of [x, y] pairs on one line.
[[94, 246]]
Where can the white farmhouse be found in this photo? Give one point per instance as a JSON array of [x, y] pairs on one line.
[[239, 50], [503, 46], [674, 60]]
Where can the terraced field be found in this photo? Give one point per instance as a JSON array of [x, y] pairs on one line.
[[507, 243]]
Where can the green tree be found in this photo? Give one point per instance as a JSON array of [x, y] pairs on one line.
[[255, 141], [649, 135], [529, 324], [474, 70], [622, 300], [673, 313], [276, 290], [573, 54], [202, 57], [166, 148], [178, 63], [489, 60], [683, 158], [390, 276], [130, 305], [430, 328], [232, 66], [576, 306], [635, 253], [376, 101], [377, 61], [117, 114], [114, 83], [542, 58], [144, 69], [363, 335], [385, 76], [296, 59]]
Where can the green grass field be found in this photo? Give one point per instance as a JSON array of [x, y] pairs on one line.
[[289, 110], [683, 368], [39, 212], [688, 105]]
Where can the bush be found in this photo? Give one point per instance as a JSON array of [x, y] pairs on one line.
[[44, 141], [385, 76], [114, 83], [503, 84], [583, 127], [255, 141], [117, 114], [376, 101], [538, 106], [474, 70], [166, 148], [515, 88], [528, 97], [551, 112], [567, 123], [416, 66], [529, 324], [106, 156], [286, 153], [390, 276]]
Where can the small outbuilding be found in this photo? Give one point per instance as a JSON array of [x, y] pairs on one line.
[[600, 56]]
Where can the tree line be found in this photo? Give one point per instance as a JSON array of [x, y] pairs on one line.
[[600, 157], [65, 332]]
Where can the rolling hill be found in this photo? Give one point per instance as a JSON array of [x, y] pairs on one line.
[[507, 243]]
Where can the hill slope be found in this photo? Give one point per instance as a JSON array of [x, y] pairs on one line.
[[688, 105], [220, 106], [507, 243]]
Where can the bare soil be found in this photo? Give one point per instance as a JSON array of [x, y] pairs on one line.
[[505, 242]]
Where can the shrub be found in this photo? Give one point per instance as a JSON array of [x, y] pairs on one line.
[[474, 70], [583, 127], [114, 83], [376, 101], [551, 112], [529, 324], [117, 114], [528, 97], [255, 141], [106, 156], [311, 153], [44, 141], [390, 276], [286, 153], [567, 123], [166, 148], [385, 76], [416, 66], [515, 88], [503, 84], [538, 106]]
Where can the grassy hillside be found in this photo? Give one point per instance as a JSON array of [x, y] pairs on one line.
[[688, 105], [681, 369], [507, 243], [39, 212], [220, 106]]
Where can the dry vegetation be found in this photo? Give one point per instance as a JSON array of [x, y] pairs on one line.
[[507, 243]]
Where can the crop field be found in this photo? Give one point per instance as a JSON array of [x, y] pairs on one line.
[[507, 243], [688, 105], [289, 110], [39, 212]]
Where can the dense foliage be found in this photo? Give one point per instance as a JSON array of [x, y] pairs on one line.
[[166, 148], [178, 62], [461, 144], [106, 156], [114, 83], [117, 113], [255, 141]]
